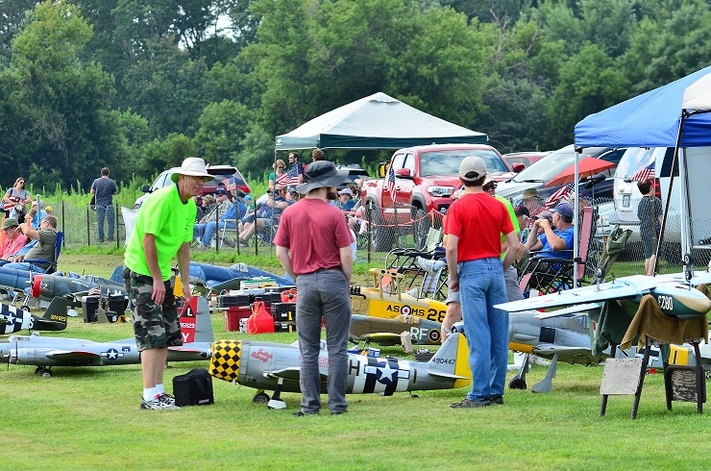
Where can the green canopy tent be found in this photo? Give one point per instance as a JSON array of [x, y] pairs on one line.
[[377, 121]]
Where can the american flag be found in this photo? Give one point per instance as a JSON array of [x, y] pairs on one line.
[[230, 184], [647, 173], [561, 193], [290, 177], [390, 184]]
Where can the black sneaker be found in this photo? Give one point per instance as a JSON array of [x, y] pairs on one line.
[[303, 414], [498, 400], [469, 404], [339, 412]]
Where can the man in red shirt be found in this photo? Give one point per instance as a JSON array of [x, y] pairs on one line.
[[475, 223], [313, 245]]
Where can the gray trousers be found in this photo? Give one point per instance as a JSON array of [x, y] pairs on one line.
[[513, 292], [323, 295]]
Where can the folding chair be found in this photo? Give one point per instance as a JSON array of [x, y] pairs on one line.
[[51, 264], [424, 267]]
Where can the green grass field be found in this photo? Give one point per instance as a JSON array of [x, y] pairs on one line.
[[88, 418]]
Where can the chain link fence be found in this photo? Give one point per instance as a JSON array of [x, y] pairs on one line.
[[378, 232]]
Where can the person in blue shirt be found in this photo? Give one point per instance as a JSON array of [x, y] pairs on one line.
[[227, 221], [345, 199], [557, 237], [267, 214]]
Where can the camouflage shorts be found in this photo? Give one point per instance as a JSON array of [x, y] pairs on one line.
[[154, 326]]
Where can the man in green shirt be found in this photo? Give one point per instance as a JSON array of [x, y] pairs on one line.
[[163, 229]]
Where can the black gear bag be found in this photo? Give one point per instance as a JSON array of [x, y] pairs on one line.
[[193, 388]]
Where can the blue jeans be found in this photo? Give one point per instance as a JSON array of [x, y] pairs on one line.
[[105, 212], [481, 286], [25, 266], [323, 295], [211, 228]]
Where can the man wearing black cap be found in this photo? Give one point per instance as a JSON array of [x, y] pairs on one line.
[[313, 245]]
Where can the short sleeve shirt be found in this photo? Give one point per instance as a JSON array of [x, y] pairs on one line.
[[171, 221]]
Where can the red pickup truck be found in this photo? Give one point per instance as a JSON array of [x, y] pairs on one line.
[[425, 179]]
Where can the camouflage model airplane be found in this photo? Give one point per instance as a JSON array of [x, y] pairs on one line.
[[14, 319], [276, 367], [567, 333], [46, 352]]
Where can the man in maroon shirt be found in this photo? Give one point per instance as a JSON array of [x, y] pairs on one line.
[[313, 245]]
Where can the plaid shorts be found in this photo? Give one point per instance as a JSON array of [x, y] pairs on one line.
[[154, 326]]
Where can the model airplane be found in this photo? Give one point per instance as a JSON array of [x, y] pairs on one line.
[[14, 319], [217, 278], [568, 333], [377, 301], [48, 286], [276, 367], [674, 293], [46, 352], [389, 331]]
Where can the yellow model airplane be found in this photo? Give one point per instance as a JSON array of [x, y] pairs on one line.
[[386, 299]]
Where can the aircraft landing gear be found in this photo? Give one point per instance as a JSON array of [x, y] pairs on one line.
[[519, 381], [261, 397], [43, 372], [276, 402]]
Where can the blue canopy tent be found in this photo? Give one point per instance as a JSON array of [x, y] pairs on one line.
[[674, 115]]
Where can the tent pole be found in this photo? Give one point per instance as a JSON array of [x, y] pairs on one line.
[[576, 219], [669, 195]]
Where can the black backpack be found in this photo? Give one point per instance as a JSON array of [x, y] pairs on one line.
[[193, 388]]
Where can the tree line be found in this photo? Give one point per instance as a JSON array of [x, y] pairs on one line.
[[137, 85]]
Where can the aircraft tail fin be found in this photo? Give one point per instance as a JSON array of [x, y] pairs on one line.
[[452, 360], [57, 310], [203, 324]]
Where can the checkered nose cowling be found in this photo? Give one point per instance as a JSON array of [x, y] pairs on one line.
[[225, 360]]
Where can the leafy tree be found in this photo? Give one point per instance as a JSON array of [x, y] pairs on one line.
[[63, 121], [589, 82], [13, 17], [165, 89]]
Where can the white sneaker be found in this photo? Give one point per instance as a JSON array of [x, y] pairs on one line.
[[161, 402], [430, 265]]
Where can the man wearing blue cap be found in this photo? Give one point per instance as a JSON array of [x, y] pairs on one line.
[[557, 238]]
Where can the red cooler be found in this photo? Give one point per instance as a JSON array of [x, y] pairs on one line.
[[233, 314]]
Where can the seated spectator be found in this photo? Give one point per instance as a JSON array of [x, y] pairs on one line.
[[227, 221], [533, 202], [204, 205], [557, 237], [44, 249], [278, 167], [221, 206], [14, 239], [267, 214], [35, 215], [523, 220], [345, 199]]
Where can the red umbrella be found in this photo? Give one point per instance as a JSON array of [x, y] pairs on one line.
[[586, 167]]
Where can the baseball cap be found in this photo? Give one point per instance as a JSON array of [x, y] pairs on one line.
[[472, 168], [220, 191], [564, 209], [521, 211], [544, 215], [346, 191]]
